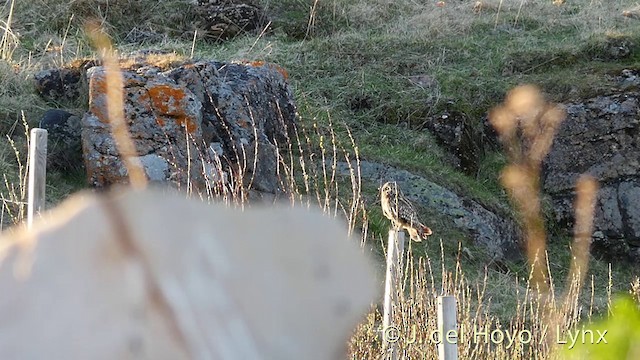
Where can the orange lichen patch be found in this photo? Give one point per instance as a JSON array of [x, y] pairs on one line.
[[166, 99], [169, 100], [186, 122], [281, 70], [98, 95], [160, 122], [278, 68], [83, 63], [98, 98], [257, 63], [98, 85], [245, 123]]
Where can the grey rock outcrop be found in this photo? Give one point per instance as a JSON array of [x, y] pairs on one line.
[[58, 84], [467, 143], [600, 137], [193, 123], [497, 235]]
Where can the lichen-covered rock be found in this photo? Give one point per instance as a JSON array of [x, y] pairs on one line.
[[600, 138], [164, 120], [185, 119], [247, 108]]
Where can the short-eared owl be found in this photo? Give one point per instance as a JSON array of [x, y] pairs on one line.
[[401, 212]]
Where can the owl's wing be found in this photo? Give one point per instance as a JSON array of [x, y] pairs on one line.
[[407, 211]]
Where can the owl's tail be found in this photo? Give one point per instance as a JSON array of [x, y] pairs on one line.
[[424, 231]]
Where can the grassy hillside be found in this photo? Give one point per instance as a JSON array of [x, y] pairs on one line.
[[384, 69]]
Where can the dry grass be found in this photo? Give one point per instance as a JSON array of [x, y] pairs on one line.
[[9, 40], [307, 173], [544, 312], [528, 335], [635, 289], [13, 187]]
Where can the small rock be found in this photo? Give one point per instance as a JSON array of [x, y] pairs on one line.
[[64, 149], [466, 142], [59, 84], [225, 19], [155, 167], [216, 150]]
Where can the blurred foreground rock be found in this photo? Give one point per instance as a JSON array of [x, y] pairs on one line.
[[600, 137], [99, 279]]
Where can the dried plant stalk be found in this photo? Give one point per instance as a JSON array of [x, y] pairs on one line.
[[522, 184], [586, 195], [115, 106], [527, 125]]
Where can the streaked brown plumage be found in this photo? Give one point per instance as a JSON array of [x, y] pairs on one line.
[[401, 212]]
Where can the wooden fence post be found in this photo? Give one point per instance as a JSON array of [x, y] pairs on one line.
[[395, 251], [37, 173], [448, 346]]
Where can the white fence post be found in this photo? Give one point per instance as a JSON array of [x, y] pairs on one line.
[[448, 346], [395, 250], [37, 173]]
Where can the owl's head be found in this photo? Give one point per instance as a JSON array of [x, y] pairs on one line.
[[388, 188]]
